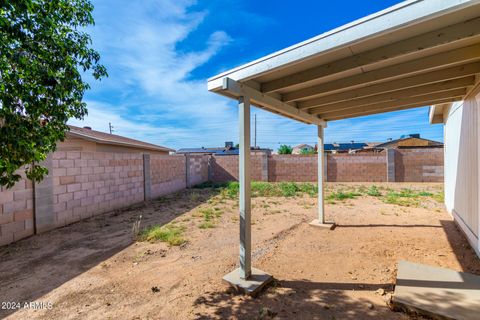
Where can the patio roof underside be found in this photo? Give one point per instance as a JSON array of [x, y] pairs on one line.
[[418, 53]]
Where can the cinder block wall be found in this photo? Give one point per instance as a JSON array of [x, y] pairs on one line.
[[198, 169], [292, 167], [90, 183], [16, 212], [406, 165], [225, 168], [419, 165], [359, 167], [167, 174], [83, 184]]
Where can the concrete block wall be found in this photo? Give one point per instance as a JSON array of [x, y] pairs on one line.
[[225, 168], [419, 165], [16, 212], [83, 184], [168, 174], [409, 165], [90, 183], [197, 169], [358, 167], [292, 167]]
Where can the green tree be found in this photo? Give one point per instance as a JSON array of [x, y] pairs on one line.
[[44, 52], [307, 151], [284, 149]]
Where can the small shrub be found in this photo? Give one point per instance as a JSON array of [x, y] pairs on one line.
[[374, 192], [173, 235]]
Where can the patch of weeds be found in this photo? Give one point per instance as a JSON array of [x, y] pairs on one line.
[[330, 201], [406, 197], [194, 197], [209, 216], [373, 191], [439, 197], [400, 199], [265, 189], [425, 194], [362, 189], [342, 195], [173, 235], [206, 225]]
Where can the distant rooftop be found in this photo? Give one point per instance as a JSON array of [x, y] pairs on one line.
[[112, 139]]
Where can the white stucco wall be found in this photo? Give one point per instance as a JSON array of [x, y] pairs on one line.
[[462, 165]]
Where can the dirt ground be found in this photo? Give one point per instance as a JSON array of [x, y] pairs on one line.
[[94, 270]]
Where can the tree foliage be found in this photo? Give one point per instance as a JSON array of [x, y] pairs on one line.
[[307, 151], [44, 51], [284, 149]]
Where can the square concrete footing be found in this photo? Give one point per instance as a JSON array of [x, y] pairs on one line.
[[327, 224], [251, 286]]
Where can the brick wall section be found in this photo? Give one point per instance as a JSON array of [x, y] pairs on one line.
[[90, 183], [198, 169], [16, 212], [225, 168], [167, 174], [294, 167], [361, 167], [419, 165]]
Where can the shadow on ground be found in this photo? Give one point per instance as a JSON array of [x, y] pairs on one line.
[[37, 265], [294, 300]]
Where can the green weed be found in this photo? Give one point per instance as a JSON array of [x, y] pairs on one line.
[[173, 235]]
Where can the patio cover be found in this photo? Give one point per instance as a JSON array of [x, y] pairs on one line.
[[414, 54]]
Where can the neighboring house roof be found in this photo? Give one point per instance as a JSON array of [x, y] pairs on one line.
[[431, 143], [303, 146], [344, 146], [112, 139]]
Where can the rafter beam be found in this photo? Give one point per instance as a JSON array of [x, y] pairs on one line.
[[418, 43], [422, 100], [397, 108], [395, 95], [469, 69], [417, 66], [237, 89]]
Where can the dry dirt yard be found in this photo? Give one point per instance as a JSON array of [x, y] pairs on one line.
[[95, 270]]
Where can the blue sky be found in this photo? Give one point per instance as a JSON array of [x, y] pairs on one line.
[[159, 54]]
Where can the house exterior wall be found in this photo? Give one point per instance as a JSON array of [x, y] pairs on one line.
[[461, 123]]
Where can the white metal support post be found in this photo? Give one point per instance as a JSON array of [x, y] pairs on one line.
[[244, 184], [245, 278], [321, 173], [320, 222]]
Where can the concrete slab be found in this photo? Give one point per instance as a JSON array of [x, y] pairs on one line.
[[253, 285], [327, 225], [437, 292]]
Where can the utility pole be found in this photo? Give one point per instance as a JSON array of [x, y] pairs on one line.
[[255, 144], [110, 127]]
